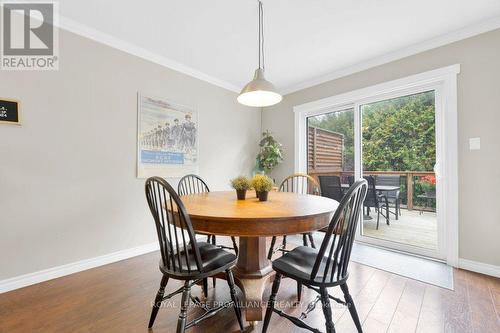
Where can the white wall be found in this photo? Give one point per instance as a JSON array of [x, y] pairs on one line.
[[478, 116], [68, 187]]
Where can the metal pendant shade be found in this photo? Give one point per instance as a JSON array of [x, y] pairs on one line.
[[259, 92]]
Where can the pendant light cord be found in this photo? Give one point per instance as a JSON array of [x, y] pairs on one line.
[[261, 36]]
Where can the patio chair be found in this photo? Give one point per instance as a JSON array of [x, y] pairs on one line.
[[393, 197], [374, 199], [331, 187]]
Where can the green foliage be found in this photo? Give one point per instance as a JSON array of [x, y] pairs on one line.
[[262, 183], [270, 154], [398, 134], [241, 183]]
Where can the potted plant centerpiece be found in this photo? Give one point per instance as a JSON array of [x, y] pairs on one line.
[[241, 184], [262, 184]]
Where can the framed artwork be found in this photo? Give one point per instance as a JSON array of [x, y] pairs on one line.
[[167, 138], [9, 112]]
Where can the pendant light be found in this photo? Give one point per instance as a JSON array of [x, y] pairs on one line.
[[259, 92]]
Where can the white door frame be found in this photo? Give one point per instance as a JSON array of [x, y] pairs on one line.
[[444, 82]]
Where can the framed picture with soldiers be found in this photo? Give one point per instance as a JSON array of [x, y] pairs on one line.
[[167, 138]]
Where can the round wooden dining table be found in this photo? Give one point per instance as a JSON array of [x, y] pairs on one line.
[[251, 220]]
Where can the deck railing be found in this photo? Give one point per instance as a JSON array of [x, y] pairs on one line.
[[410, 179]]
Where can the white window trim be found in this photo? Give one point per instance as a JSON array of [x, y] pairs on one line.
[[444, 82]]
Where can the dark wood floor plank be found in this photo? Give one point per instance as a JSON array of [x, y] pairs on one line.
[[483, 314], [494, 285], [495, 295]]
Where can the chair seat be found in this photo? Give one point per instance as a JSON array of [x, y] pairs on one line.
[[298, 264], [213, 258]]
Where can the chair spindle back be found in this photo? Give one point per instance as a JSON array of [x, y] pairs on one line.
[[300, 183], [191, 184], [339, 237], [176, 236]]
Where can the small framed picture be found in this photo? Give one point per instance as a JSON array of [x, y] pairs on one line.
[[9, 112]]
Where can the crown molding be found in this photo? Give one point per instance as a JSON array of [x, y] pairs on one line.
[[106, 39], [117, 43], [457, 35]]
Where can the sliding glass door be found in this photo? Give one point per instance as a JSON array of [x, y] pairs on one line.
[[392, 142], [397, 157]]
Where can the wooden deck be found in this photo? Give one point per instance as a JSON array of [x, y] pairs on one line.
[[117, 298], [411, 228]]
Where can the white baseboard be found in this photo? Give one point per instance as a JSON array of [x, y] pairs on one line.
[[55, 272], [479, 267]]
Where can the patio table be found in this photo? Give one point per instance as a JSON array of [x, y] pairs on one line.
[[381, 188]]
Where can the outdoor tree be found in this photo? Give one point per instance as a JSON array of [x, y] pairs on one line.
[[399, 134]]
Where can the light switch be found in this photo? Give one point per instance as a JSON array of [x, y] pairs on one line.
[[474, 143]]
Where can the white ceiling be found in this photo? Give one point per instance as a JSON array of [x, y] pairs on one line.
[[305, 40]]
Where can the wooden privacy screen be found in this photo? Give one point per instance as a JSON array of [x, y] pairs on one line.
[[324, 150]]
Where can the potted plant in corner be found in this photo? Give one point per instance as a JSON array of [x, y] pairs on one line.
[[241, 184], [262, 184], [270, 153]]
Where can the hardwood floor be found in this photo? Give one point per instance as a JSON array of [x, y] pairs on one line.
[[117, 298]]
